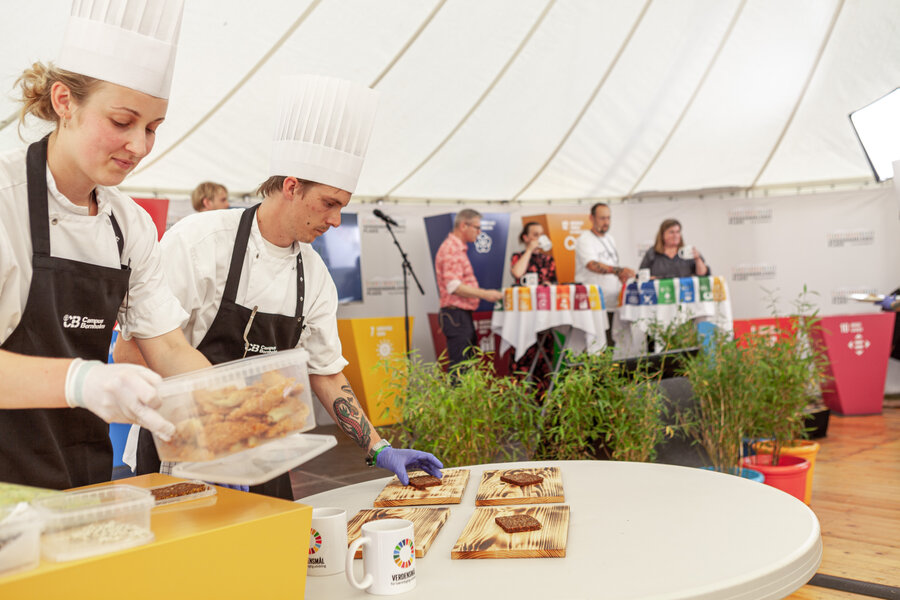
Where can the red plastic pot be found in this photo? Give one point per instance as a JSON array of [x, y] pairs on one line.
[[788, 476]]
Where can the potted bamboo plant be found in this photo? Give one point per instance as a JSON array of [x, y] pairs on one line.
[[467, 416], [598, 410], [723, 383], [790, 370]]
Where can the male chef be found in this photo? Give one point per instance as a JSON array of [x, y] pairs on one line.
[[254, 270]]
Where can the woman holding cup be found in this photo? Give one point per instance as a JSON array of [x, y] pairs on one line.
[[534, 266], [670, 257], [535, 258]]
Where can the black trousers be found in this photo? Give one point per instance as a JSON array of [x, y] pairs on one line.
[[459, 329]]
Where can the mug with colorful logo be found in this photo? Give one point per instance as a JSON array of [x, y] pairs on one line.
[[389, 557], [327, 541]]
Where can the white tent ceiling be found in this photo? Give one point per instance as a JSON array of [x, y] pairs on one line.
[[520, 99]]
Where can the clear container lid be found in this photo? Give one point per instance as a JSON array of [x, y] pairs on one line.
[[260, 464]]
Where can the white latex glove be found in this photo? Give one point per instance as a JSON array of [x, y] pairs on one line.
[[117, 394]]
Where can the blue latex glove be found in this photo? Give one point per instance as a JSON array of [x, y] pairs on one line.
[[887, 302], [232, 486], [399, 460]]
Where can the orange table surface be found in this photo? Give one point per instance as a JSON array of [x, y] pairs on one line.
[[233, 544]]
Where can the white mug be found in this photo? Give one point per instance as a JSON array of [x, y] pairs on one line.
[[643, 275], [686, 252], [544, 243], [389, 557], [327, 541], [530, 279]]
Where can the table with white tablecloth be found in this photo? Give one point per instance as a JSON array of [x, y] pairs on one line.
[[667, 301], [578, 311]]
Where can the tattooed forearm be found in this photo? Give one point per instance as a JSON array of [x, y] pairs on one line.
[[351, 419]]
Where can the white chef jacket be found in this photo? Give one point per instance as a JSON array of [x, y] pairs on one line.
[[196, 257], [590, 246], [75, 235]]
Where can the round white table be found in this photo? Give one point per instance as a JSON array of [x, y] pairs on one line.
[[636, 530]]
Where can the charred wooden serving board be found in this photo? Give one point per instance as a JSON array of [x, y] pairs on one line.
[[427, 522], [493, 492], [483, 538], [453, 484]]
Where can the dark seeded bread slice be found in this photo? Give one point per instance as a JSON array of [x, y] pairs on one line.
[[424, 481], [518, 523], [521, 479]]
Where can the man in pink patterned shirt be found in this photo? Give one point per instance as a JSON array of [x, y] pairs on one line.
[[458, 287]]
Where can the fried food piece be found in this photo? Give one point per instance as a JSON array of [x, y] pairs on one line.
[[518, 523], [521, 479], [424, 481]]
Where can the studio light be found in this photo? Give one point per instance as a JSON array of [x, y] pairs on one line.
[[877, 125]]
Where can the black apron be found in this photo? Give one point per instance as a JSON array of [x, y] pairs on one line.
[[224, 341], [70, 313]]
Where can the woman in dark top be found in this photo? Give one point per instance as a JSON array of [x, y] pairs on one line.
[[533, 260], [663, 258]]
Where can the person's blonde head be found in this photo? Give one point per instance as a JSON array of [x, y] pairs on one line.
[[35, 85], [205, 191]]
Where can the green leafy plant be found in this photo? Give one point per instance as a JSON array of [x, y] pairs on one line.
[[723, 382], [466, 416], [595, 408], [790, 369], [756, 386], [676, 334]]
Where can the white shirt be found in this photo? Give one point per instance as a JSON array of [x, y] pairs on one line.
[[74, 234], [197, 254], [589, 247]]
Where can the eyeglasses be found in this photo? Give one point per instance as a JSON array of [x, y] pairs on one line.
[[476, 227]]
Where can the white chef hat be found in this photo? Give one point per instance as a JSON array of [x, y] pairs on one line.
[[323, 130], [127, 42]]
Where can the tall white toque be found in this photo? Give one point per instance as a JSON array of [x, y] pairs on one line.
[[323, 130], [131, 43]]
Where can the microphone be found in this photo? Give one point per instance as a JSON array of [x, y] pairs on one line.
[[377, 212]]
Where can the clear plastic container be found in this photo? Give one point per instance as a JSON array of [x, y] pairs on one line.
[[20, 538], [234, 406], [96, 521]]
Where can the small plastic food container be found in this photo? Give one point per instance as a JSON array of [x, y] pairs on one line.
[[235, 406], [97, 521], [20, 538]]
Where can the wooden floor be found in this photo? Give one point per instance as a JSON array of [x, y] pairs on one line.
[[856, 496]]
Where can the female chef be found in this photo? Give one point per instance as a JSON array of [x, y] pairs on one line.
[[76, 255]]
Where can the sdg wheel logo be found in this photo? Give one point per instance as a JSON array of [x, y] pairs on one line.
[[315, 541], [403, 553]]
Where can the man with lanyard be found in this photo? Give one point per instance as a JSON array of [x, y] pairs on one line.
[[252, 283], [457, 286], [597, 261]]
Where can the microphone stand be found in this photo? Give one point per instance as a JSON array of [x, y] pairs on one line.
[[407, 270]]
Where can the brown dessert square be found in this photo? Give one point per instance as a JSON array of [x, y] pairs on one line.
[[518, 523], [521, 478], [424, 481]]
